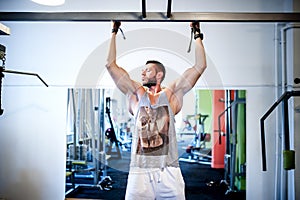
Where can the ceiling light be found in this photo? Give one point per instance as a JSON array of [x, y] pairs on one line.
[[49, 2]]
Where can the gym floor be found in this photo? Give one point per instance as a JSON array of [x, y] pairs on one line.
[[201, 181]]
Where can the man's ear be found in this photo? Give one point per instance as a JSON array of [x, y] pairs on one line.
[[159, 75]]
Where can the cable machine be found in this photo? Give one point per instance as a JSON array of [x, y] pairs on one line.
[[235, 155], [288, 157], [197, 151], [110, 132], [3, 70], [86, 140]]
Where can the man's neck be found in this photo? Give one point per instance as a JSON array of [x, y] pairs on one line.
[[155, 89]]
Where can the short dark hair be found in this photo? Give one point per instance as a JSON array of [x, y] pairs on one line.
[[160, 67]]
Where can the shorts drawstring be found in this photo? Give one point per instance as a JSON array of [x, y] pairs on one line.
[[151, 175], [159, 175]]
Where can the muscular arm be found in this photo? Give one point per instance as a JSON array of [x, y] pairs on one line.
[[118, 74], [189, 78]]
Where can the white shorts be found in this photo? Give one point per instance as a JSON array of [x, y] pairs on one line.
[[155, 184]]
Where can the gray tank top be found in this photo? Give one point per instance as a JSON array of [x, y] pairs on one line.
[[154, 142]]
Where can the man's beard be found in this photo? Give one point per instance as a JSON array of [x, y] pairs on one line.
[[150, 83]]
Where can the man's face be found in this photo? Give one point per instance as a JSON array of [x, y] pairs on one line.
[[148, 75]]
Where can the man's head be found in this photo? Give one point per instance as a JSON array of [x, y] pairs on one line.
[[153, 73]]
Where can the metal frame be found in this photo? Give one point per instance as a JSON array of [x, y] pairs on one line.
[[144, 8], [3, 70], [169, 8], [4, 30], [284, 98], [151, 16], [231, 109]]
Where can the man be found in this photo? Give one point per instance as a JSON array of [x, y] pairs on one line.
[[154, 168]]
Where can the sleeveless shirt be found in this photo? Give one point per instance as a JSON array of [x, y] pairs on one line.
[[154, 142]]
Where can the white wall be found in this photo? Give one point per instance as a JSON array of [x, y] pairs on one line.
[[32, 129]]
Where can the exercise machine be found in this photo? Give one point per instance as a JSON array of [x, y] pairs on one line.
[[87, 156], [287, 157], [196, 150], [111, 134], [188, 128], [235, 155], [125, 135], [3, 70]]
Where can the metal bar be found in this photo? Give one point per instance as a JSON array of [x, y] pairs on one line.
[[1, 76], [283, 97], [26, 73], [144, 8], [295, 93], [263, 145], [286, 123], [239, 101], [219, 124], [228, 120], [169, 9], [151, 16], [74, 123], [262, 131], [4, 30]]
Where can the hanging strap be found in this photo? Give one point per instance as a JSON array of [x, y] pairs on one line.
[[189, 49], [116, 27]]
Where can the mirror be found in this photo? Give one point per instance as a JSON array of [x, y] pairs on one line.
[[211, 137]]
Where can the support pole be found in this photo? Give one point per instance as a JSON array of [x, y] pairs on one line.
[[144, 8], [286, 124], [1, 76], [169, 9], [72, 95]]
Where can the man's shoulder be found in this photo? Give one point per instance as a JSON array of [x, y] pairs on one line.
[[168, 91]]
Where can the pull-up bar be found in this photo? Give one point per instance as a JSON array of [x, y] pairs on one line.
[[151, 16]]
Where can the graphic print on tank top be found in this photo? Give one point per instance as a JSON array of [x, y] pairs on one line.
[[153, 129]]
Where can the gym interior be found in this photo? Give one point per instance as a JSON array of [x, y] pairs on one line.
[[65, 132]]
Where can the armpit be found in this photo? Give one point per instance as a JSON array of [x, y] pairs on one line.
[[175, 99], [133, 99]]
